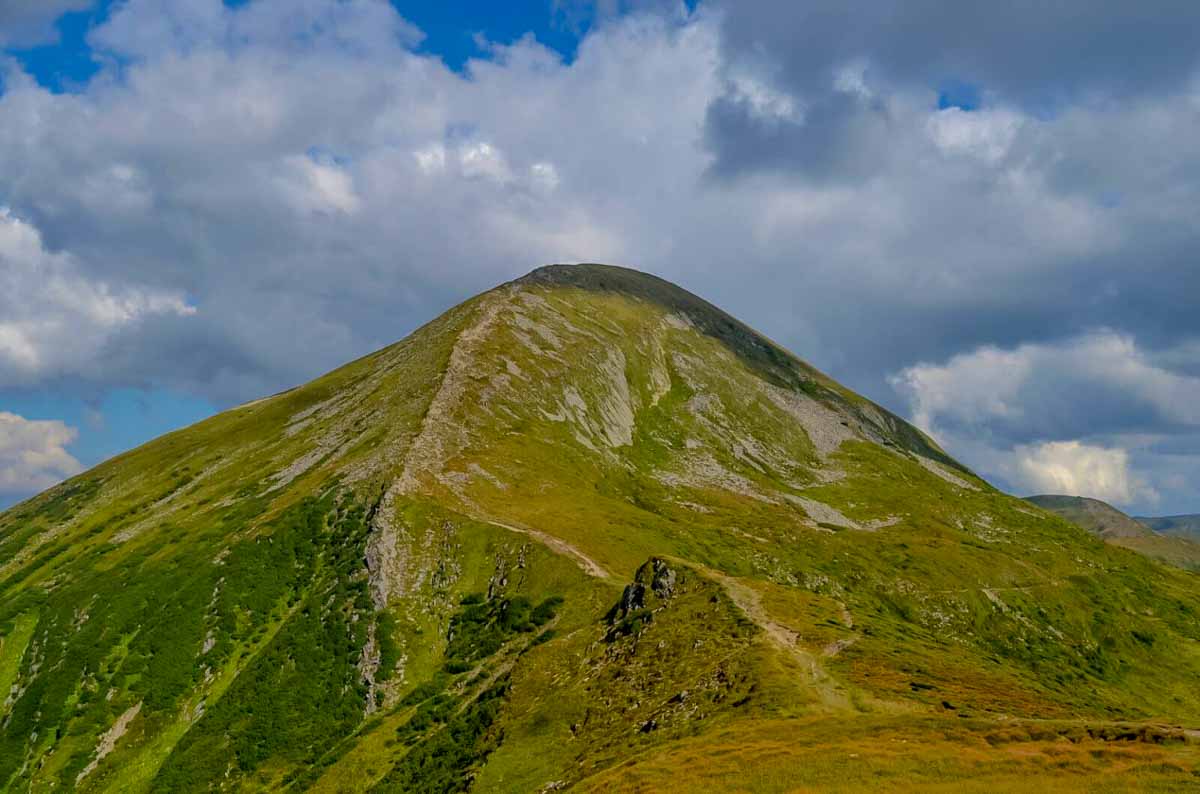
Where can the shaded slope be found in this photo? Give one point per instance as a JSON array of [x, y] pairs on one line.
[[1187, 526], [1099, 518], [582, 521]]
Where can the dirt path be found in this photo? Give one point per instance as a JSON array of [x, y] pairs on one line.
[[557, 545], [830, 693], [428, 451], [1026, 588], [387, 559]]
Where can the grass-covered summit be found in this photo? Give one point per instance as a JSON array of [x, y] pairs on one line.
[[582, 531]]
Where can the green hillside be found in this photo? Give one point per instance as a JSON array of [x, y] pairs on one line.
[[582, 531]]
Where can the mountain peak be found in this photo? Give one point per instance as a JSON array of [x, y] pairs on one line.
[[767, 358], [594, 275]]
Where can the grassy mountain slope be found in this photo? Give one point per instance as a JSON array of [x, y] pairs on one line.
[[1113, 526], [584, 530]]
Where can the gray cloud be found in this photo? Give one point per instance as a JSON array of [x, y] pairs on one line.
[[54, 317], [1041, 54], [842, 136], [25, 23]]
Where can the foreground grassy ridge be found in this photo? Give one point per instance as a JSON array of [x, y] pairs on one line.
[[823, 595], [909, 753]]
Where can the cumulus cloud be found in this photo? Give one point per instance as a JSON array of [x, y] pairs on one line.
[[315, 185], [53, 318], [1101, 379], [1093, 415], [274, 154], [985, 134], [318, 189], [33, 454], [1075, 469]]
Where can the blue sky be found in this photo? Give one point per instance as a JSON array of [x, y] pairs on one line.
[[451, 32], [980, 217]]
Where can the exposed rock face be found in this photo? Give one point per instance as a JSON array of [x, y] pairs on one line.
[[108, 741], [662, 580], [633, 597], [653, 585]]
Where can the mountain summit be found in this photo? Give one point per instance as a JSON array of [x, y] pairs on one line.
[[586, 531]]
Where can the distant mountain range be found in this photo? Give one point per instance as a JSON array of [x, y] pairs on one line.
[[1171, 539], [1179, 526]]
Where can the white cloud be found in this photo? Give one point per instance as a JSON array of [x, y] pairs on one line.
[[1083, 416], [1075, 469], [482, 159], [431, 159], [986, 134], [764, 101], [53, 318], [313, 185], [33, 453], [971, 387], [1013, 387]]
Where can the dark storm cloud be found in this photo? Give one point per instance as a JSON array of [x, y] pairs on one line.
[[1042, 57], [842, 137], [1040, 54]]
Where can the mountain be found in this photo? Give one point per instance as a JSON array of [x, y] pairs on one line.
[[1180, 526], [582, 531], [1099, 518], [1114, 526]]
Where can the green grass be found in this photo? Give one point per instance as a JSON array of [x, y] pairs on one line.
[[13, 643]]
